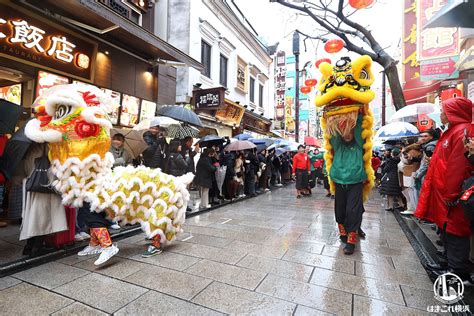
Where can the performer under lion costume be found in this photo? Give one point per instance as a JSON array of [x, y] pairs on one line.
[[73, 120], [344, 95]]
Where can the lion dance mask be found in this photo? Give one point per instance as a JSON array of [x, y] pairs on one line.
[[73, 120], [344, 96]]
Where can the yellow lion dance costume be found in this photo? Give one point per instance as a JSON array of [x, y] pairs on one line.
[[344, 95], [73, 120]]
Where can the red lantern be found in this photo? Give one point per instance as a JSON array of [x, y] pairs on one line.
[[360, 4], [333, 46], [322, 60], [305, 89], [310, 82]]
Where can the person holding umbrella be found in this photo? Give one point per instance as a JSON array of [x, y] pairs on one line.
[[204, 174], [177, 166], [155, 154], [122, 157], [302, 169], [188, 153]]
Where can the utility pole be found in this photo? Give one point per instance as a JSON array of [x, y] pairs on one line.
[[296, 52], [383, 97]]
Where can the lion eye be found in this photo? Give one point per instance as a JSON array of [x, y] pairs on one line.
[[364, 75], [62, 111]]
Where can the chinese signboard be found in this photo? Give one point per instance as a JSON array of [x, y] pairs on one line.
[[255, 124], [280, 85], [242, 75], [437, 42], [414, 89], [230, 113], [207, 99], [34, 41], [439, 69]]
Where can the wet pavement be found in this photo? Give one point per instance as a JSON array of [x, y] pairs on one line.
[[272, 255]]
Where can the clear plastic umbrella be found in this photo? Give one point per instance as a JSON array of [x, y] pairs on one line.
[[410, 112]]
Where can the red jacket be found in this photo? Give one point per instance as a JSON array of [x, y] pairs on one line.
[[301, 161], [447, 170], [376, 163]]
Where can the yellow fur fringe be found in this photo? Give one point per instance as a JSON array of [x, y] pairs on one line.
[[367, 125]]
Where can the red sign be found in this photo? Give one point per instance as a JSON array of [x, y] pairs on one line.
[[414, 89], [435, 42]]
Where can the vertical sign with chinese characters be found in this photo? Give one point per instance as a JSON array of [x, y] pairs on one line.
[[280, 85], [438, 48], [414, 89], [33, 40]]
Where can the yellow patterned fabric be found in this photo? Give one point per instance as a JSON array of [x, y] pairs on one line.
[[344, 93]]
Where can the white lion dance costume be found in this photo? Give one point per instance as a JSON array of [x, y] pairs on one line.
[[344, 95], [73, 120]]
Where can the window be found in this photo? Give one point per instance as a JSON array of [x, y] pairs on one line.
[[252, 90], [206, 58], [223, 71], [260, 95]]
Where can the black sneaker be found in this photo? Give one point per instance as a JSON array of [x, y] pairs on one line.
[[343, 239], [349, 249]]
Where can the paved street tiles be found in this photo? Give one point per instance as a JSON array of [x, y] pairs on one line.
[[168, 281], [287, 269], [7, 282], [241, 277], [169, 260], [154, 303], [310, 295], [116, 267], [265, 250], [230, 256], [27, 299], [208, 240], [101, 292], [368, 306], [79, 309], [364, 257], [50, 275], [232, 300], [307, 311], [389, 292], [418, 298], [345, 265]]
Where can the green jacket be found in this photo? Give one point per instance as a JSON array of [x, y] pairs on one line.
[[348, 164], [312, 159]]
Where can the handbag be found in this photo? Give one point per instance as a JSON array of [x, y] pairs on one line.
[[39, 181]]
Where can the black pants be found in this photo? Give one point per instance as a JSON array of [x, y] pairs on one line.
[[457, 252], [92, 219], [349, 206]]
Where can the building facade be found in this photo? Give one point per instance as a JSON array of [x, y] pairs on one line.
[[108, 43], [214, 33]]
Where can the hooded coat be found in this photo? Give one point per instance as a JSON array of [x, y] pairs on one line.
[[447, 170]]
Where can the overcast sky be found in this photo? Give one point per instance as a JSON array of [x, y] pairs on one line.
[[276, 23]]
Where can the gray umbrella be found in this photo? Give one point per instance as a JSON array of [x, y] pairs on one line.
[[181, 114], [181, 132]]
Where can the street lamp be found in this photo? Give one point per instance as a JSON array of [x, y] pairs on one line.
[[296, 52]]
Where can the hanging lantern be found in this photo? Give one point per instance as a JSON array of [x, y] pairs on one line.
[[310, 82], [322, 60], [305, 89], [361, 4], [334, 46]]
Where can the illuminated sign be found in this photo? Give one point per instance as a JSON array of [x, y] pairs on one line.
[[32, 40]]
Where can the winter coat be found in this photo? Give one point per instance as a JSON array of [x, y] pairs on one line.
[[122, 157], [177, 166], [421, 172], [390, 184], [155, 154], [251, 168], [205, 172], [188, 156], [447, 170], [376, 162]]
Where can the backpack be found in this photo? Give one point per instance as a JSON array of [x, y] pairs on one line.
[[467, 197]]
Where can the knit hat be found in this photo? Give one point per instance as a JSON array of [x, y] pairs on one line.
[[396, 151]]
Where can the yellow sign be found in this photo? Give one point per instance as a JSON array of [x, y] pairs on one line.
[[230, 113]]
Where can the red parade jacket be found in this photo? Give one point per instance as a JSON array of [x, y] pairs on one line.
[[447, 170], [301, 161]]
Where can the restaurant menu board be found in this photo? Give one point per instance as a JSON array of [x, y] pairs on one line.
[[47, 80], [129, 110], [148, 110], [11, 93], [115, 96]]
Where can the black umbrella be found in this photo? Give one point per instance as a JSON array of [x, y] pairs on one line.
[[14, 152], [261, 147], [181, 114], [210, 140], [9, 115], [456, 13]]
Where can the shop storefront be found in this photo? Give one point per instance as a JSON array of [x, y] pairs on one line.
[[41, 49], [217, 112]]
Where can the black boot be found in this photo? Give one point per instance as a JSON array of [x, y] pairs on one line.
[[28, 247]]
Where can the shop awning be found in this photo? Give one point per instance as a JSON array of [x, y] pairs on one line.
[[117, 29], [456, 13]]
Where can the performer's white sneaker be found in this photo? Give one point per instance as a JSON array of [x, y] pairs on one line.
[[90, 250], [106, 254]]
